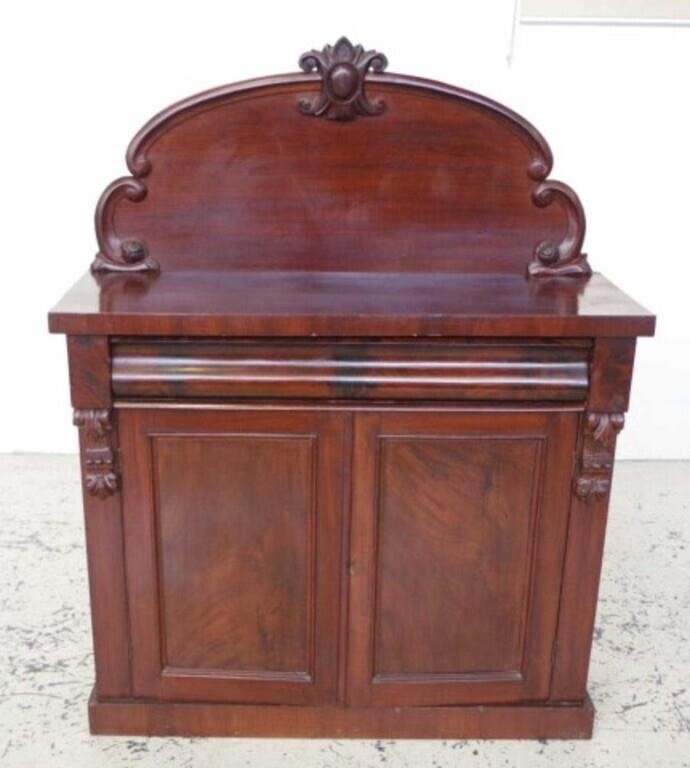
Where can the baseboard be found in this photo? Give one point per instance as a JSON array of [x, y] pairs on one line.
[[157, 718]]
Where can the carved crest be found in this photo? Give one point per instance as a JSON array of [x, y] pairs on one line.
[[100, 476], [342, 67]]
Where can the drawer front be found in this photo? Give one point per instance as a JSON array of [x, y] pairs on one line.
[[386, 370]]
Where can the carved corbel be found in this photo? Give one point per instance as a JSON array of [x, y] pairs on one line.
[[593, 479], [98, 454]]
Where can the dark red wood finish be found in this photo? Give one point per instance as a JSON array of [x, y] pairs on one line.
[[524, 721], [89, 363], [272, 190], [301, 304], [348, 396], [362, 370], [458, 534], [232, 533]]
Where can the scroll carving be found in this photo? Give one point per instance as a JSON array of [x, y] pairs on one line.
[[564, 258], [342, 73], [100, 474], [117, 253], [596, 460], [342, 67]]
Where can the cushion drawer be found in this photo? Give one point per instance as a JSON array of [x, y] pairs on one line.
[[368, 371]]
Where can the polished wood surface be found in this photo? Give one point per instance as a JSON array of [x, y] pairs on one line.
[[245, 551], [458, 516], [147, 718], [358, 370], [89, 364], [348, 304], [348, 395], [441, 172], [232, 524], [612, 361]]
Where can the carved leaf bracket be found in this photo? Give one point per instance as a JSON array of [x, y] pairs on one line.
[[593, 479], [100, 475], [342, 67]]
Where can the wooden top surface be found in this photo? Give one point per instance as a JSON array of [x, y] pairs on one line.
[[347, 304]]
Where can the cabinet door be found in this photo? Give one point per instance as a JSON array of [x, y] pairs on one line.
[[232, 536], [458, 531]]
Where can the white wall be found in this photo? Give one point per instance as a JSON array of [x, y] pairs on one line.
[[78, 79]]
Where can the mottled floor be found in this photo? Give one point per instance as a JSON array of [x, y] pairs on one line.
[[639, 680]]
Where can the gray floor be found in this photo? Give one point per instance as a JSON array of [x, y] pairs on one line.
[[639, 679]]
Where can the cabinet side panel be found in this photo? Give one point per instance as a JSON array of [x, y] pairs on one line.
[[89, 367], [612, 364], [611, 375], [89, 371]]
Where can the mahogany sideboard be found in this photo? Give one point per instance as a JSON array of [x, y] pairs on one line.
[[348, 394]]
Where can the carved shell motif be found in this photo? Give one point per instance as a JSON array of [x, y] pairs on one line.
[[342, 67]]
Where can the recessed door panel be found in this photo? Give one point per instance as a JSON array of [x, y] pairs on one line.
[[233, 529], [458, 529], [235, 551], [455, 533]]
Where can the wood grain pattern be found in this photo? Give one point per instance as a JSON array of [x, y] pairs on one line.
[[232, 524], [302, 304], [612, 367], [351, 370], [89, 365], [235, 553], [581, 575], [146, 718], [348, 395], [445, 555], [442, 172], [475, 522], [611, 372], [89, 371]]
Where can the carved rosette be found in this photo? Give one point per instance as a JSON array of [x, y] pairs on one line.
[[342, 67], [98, 455], [593, 479]]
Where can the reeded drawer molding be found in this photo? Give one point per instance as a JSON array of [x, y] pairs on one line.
[[385, 370]]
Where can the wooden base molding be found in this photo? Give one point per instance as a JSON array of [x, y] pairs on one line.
[[149, 718]]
